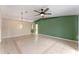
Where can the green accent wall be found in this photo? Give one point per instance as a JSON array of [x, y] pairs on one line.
[[63, 26]]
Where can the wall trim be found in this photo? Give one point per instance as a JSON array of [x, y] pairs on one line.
[[42, 35], [14, 36], [58, 38], [17, 19], [54, 17]]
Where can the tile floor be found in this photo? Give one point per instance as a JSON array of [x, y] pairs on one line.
[[40, 44]]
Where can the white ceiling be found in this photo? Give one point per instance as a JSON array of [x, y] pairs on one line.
[[14, 11]]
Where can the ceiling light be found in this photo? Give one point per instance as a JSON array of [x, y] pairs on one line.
[[42, 14]]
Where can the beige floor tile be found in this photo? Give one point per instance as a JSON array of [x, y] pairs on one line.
[[9, 47], [31, 44], [60, 48]]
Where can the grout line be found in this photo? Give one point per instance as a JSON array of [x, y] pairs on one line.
[[4, 47], [49, 48], [18, 49]]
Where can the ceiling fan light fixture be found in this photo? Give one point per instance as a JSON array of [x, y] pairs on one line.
[[42, 14]]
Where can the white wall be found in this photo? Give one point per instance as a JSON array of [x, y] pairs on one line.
[[13, 28], [0, 29]]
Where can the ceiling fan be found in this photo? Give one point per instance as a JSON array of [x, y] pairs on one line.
[[43, 12]]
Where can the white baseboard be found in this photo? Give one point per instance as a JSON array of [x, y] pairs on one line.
[[42, 35], [58, 38], [14, 36]]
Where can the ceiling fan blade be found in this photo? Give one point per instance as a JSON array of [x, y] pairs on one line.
[[48, 13], [46, 9], [37, 14], [36, 11]]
